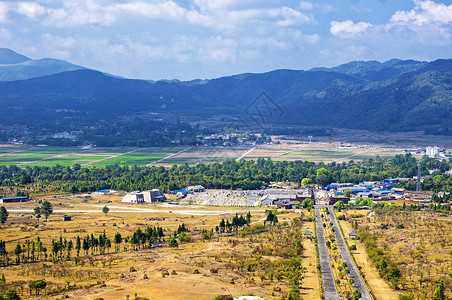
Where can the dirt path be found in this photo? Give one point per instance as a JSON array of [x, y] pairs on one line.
[[169, 156], [44, 159], [379, 286], [310, 288], [121, 209], [113, 156], [245, 154]]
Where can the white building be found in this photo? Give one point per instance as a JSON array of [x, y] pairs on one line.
[[154, 196], [144, 197], [432, 152], [195, 188], [133, 197]]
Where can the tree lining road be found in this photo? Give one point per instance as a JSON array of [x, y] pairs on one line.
[[347, 258], [329, 286]]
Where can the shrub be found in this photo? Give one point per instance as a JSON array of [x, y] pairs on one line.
[[12, 295], [356, 295], [409, 296], [172, 242]]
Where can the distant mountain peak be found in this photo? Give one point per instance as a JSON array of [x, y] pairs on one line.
[[373, 70], [9, 57], [14, 66]]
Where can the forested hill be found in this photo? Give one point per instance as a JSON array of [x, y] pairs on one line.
[[419, 100], [395, 96]]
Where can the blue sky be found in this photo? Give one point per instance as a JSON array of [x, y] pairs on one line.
[[157, 39]]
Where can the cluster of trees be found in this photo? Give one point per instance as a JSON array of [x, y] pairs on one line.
[[229, 174], [31, 251], [439, 207], [236, 223], [387, 269], [45, 209], [271, 217], [97, 245], [134, 132], [442, 199], [146, 238]]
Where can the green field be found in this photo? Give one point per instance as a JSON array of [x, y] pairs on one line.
[[36, 156], [24, 156]]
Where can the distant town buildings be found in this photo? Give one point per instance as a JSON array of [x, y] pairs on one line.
[[432, 152]]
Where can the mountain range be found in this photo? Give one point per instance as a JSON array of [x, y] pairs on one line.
[[397, 95]]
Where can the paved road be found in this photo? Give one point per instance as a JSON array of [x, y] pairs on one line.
[[346, 257], [329, 287]]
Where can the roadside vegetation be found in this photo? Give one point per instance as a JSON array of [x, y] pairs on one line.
[[409, 247]]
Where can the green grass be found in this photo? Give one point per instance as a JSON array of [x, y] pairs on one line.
[[130, 159], [68, 156]]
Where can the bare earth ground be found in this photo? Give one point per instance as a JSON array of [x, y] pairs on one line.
[[109, 276]]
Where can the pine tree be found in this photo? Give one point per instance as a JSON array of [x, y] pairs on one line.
[[3, 215], [248, 218]]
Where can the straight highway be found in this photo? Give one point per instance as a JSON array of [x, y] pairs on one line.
[[329, 286]]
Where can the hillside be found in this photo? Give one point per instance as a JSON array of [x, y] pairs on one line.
[[374, 70], [419, 100], [392, 96]]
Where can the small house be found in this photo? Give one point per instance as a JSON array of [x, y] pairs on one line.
[[352, 235], [195, 188], [67, 218]]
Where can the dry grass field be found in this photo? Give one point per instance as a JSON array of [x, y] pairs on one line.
[[253, 261], [418, 242]]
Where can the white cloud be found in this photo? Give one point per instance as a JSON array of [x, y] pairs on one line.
[[222, 5], [328, 8], [348, 28], [428, 23], [161, 10], [5, 34], [323, 7], [423, 13], [3, 12], [306, 5], [312, 38], [30, 9], [222, 15]]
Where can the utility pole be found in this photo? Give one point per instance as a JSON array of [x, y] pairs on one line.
[[418, 185]]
